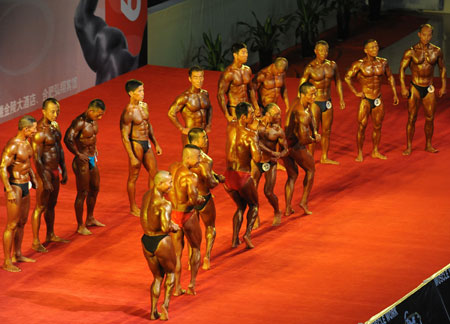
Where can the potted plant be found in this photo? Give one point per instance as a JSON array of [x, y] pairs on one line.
[[210, 54], [309, 14], [264, 37]]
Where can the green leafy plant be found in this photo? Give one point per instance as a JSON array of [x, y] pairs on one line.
[[210, 54], [309, 14], [264, 37]]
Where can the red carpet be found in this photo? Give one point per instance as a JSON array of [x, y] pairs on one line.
[[378, 229]]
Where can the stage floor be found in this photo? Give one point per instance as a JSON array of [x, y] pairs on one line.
[[377, 230]]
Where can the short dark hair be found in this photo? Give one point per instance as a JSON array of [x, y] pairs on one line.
[[26, 121], [425, 25], [237, 47], [195, 68], [242, 109], [132, 85], [304, 87], [370, 40], [321, 42], [194, 133], [267, 107], [97, 103], [52, 100]]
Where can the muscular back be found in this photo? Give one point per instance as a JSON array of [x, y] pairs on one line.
[[245, 149], [206, 180], [184, 192]]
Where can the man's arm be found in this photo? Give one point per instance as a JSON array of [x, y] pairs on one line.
[[304, 129], [209, 113], [337, 81], [152, 138], [351, 73], [284, 93], [404, 63], [443, 71], [62, 162], [253, 96], [9, 152], [391, 82], [175, 108], [37, 143], [71, 136], [126, 124], [205, 172], [190, 181], [283, 144], [224, 84], [306, 75]]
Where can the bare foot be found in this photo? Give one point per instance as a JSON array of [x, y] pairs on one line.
[[236, 243], [431, 149], [191, 291], [407, 151], [328, 161], [54, 238], [179, 292], [256, 224], [10, 267], [154, 316], [378, 155], [164, 315], [359, 158], [248, 242], [39, 247], [280, 167], [276, 219], [93, 222], [289, 211], [135, 212], [83, 230], [206, 264], [21, 258], [305, 208]]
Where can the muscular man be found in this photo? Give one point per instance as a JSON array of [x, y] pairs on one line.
[[421, 60], [270, 135], [157, 244], [105, 48], [49, 162], [207, 179], [300, 131], [184, 196], [320, 72], [16, 174], [136, 132], [81, 140], [241, 148], [270, 83], [369, 71], [235, 83], [194, 106]]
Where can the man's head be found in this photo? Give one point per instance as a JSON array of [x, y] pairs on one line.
[[307, 92], [50, 109], [371, 47], [281, 64], [244, 111], [273, 113], [163, 181], [425, 33], [240, 52], [196, 76], [135, 89], [198, 137], [321, 50], [96, 109], [191, 155], [27, 124]]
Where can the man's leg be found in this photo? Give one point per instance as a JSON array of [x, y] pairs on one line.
[[24, 208], [363, 115], [413, 107], [292, 174], [271, 178], [178, 244], [13, 218], [133, 173], [167, 259], [42, 197], [377, 118], [316, 119], [249, 193], [155, 287], [151, 167], [81, 171], [305, 160], [327, 121], [193, 234], [208, 216], [429, 104], [94, 187], [237, 217], [49, 214]]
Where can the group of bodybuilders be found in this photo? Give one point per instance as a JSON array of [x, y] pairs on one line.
[[178, 198]]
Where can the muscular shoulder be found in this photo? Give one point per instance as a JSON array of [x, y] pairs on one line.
[[12, 146], [435, 48]]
